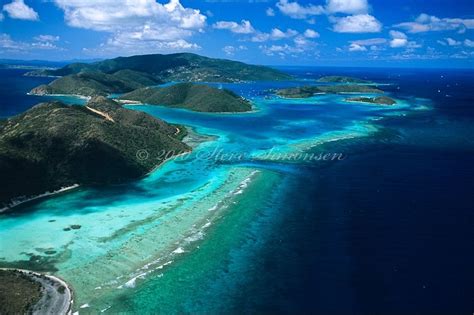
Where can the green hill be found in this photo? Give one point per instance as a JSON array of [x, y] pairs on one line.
[[148, 69], [196, 97], [53, 145], [97, 83]]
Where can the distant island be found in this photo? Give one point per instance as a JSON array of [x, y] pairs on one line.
[[53, 146], [309, 91], [343, 79], [380, 100], [124, 74], [196, 97]]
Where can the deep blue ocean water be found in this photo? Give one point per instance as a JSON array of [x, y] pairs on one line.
[[388, 230]]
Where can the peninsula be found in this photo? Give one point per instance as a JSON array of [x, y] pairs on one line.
[[195, 97], [52, 146], [124, 74]]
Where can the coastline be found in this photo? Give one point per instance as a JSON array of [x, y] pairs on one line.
[[131, 103], [51, 292], [21, 200]]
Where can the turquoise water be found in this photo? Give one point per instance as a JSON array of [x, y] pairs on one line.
[[182, 239]]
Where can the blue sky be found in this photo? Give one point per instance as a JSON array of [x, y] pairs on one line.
[[435, 33]]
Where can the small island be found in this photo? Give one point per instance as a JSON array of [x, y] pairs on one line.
[[195, 97], [310, 91], [28, 292], [380, 100], [52, 147], [343, 79]]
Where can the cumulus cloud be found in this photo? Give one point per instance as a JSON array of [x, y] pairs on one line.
[[361, 45], [19, 10], [46, 38], [231, 50], [275, 34], [361, 23], [7, 44], [245, 27], [469, 43], [347, 6], [281, 50], [357, 47], [427, 23], [270, 12], [146, 25], [298, 11], [452, 42], [399, 39], [309, 33]]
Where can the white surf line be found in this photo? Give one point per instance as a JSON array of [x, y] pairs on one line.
[[98, 112], [197, 235], [21, 200]]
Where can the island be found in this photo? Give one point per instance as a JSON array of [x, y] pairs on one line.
[[309, 91], [195, 97], [124, 74], [53, 147], [343, 79], [380, 100], [28, 292]]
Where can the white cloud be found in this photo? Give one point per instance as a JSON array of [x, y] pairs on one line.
[[452, 42], [361, 23], [19, 10], [426, 23], [357, 47], [134, 25], [7, 44], [469, 43], [309, 33], [362, 44], [245, 27], [231, 50], [270, 12], [297, 11], [347, 6], [46, 38], [275, 34], [1, 16], [399, 39], [281, 50], [398, 42], [278, 34]]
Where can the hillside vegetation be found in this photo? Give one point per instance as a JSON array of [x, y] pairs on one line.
[[53, 145], [196, 97]]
